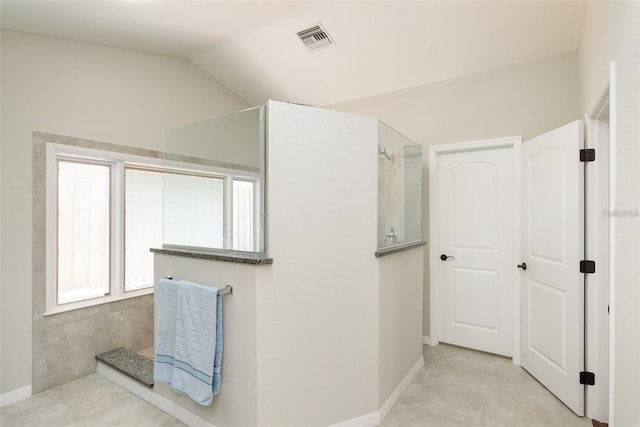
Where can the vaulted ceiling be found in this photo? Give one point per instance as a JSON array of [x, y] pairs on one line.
[[252, 47]]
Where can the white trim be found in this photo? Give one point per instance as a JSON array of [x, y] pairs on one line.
[[613, 129], [368, 420], [435, 151], [153, 398], [375, 418], [597, 248], [393, 398], [517, 244], [13, 396], [426, 340]]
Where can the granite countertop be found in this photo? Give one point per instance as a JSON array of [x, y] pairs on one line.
[[399, 248], [254, 258]]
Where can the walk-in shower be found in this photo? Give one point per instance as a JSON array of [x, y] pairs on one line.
[[399, 188]]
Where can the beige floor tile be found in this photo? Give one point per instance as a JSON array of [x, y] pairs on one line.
[[462, 387], [456, 388], [89, 401]]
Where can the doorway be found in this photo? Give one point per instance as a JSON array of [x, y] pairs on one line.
[[548, 352], [475, 209]]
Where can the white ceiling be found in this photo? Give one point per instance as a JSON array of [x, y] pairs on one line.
[[252, 48]]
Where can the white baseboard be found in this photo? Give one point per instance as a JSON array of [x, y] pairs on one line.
[[153, 398], [426, 340], [384, 410], [375, 418], [369, 420], [14, 396]]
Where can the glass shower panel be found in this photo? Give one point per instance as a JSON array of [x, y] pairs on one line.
[[399, 188], [214, 183]]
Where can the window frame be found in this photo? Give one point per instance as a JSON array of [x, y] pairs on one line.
[[110, 165], [256, 206], [116, 161], [119, 162]]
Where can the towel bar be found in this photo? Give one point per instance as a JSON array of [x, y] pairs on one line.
[[223, 291]]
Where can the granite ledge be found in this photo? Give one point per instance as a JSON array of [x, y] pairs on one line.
[[130, 363], [218, 255], [399, 248]]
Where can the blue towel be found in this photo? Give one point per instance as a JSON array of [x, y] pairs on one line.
[[166, 295], [196, 360]]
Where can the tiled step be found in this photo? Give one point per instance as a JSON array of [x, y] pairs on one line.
[[130, 363]]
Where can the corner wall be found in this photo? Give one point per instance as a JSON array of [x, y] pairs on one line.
[[526, 99], [86, 91], [318, 303]]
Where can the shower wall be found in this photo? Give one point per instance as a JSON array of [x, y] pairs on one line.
[[328, 333]]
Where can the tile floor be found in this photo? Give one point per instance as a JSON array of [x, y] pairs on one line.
[[456, 387], [462, 387], [92, 401]]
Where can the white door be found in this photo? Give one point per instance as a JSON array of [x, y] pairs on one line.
[[552, 340], [475, 265]]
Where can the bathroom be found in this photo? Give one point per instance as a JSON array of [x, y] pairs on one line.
[[129, 98]]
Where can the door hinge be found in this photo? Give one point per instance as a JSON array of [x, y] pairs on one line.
[[587, 154], [588, 378], [587, 266]]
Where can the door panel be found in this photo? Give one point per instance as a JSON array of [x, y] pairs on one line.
[[476, 298], [475, 215], [475, 206], [548, 219], [552, 339]]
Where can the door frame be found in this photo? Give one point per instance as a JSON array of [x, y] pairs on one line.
[[599, 246], [513, 142]]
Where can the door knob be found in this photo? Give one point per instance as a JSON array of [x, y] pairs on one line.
[[523, 266], [446, 257]]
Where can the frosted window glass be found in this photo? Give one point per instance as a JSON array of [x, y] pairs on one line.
[[194, 211], [243, 215], [143, 225], [83, 230]]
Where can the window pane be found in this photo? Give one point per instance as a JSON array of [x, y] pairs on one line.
[[243, 215], [83, 230], [143, 226], [193, 211]]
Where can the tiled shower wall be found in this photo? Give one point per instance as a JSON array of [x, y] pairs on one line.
[[64, 345]]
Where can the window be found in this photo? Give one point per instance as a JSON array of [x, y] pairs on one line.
[[244, 218], [105, 211], [194, 210], [142, 225], [83, 230]]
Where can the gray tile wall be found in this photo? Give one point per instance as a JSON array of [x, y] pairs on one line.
[[64, 345]]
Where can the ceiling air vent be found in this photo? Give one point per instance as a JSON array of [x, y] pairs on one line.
[[315, 37]]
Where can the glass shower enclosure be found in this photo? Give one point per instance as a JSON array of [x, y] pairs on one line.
[[399, 188]]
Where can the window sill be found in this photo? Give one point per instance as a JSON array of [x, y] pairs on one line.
[[254, 258], [79, 305], [401, 247]]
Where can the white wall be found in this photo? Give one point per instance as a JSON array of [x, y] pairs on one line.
[[86, 91], [236, 405], [318, 303], [400, 318], [526, 99], [611, 32]]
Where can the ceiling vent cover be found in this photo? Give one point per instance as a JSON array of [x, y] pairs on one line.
[[315, 37]]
